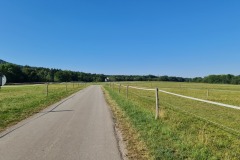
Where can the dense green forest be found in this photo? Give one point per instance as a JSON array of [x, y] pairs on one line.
[[19, 74], [218, 79]]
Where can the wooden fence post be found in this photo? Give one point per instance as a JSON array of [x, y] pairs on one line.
[[157, 104], [47, 89], [127, 91], [119, 88], [66, 86]]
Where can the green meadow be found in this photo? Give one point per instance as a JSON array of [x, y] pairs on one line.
[[186, 129], [22, 101], [229, 94]]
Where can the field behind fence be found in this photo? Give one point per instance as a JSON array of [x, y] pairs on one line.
[[216, 125], [217, 112], [229, 94]]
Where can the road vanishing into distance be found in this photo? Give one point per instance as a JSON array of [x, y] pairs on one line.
[[79, 127]]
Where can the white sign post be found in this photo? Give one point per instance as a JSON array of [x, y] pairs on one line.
[[3, 80]]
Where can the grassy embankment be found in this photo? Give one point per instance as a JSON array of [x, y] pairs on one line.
[[20, 102], [186, 129]]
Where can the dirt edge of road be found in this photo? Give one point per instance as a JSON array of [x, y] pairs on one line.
[[130, 145]]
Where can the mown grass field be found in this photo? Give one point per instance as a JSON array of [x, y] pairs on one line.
[[229, 94], [20, 102], [186, 129]]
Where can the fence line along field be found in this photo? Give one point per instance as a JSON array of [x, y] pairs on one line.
[[222, 93], [186, 128], [21, 101]]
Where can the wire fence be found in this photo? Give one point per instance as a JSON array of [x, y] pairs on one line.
[[67, 85], [155, 99], [143, 89], [49, 87], [188, 97], [201, 118]]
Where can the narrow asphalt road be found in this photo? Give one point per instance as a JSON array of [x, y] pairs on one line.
[[77, 128]]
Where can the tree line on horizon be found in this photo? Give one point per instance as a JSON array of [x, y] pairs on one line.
[[26, 74]]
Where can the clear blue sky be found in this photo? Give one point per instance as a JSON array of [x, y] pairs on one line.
[[162, 37]]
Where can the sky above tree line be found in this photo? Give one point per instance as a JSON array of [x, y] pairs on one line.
[[176, 38]]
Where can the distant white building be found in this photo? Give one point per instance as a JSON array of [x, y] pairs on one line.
[[107, 79]]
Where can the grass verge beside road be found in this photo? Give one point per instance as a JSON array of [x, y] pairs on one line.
[[18, 103], [136, 149]]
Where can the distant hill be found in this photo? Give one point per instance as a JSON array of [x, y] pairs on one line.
[[3, 62]]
